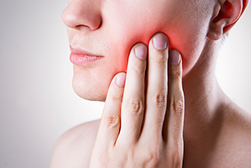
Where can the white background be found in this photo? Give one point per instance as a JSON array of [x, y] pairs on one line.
[[37, 101]]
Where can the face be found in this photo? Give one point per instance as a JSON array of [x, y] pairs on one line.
[[111, 27]]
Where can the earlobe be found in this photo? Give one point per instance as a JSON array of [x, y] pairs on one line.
[[226, 14]]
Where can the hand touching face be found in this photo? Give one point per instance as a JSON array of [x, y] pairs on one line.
[[111, 28], [142, 121]]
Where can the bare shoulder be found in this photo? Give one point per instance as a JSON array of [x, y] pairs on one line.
[[74, 147], [239, 121], [234, 147]]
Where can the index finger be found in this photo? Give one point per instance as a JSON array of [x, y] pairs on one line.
[[110, 120]]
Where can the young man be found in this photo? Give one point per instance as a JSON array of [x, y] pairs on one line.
[[163, 105]]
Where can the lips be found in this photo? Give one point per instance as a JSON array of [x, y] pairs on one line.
[[81, 57]]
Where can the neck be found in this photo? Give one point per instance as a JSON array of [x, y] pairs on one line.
[[204, 100]]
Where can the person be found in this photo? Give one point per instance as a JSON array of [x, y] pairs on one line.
[[153, 64]]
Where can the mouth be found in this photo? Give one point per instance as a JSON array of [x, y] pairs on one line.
[[82, 58]]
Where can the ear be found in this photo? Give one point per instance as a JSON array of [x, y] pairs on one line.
[[226, 14]]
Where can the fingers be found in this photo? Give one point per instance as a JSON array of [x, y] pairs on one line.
[[175, 110], [156, 87], [134, 96], [146, 108], [174, 120], [110, 121]]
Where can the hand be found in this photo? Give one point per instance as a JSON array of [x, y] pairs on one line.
[[142, 121]]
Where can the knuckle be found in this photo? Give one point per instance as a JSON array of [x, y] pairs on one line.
[[175, 156], [159, 99], [152, 159], [177, 159], [111, 121], [161, 59], [151, 155], [139, 68], [117, 97], [135, 106], [99, 159], [177, 106], [175, 74], [130, 155]]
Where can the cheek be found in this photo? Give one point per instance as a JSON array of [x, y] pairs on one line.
[[127, 34], [125, 30], [186, 30]]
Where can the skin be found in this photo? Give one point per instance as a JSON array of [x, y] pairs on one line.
[[216, 131], [112, 41]]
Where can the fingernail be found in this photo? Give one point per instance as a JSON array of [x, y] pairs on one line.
[[120, 79], [160, 41], [174, 57], [141, 52]]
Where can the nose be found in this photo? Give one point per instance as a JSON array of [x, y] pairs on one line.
[[80, 13]]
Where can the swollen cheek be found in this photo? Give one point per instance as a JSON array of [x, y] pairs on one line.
[[133, 33], [123, 63]]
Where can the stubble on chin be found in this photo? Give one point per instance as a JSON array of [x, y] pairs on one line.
[[89, 91]]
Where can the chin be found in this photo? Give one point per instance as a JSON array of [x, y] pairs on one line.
[[89, 91]]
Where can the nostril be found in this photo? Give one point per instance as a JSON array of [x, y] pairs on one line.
[[97, 21]]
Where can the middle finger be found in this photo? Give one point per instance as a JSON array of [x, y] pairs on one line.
[[156, 87]]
